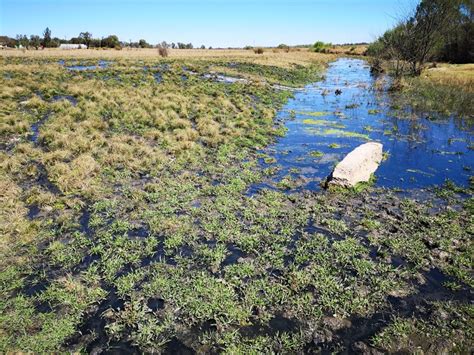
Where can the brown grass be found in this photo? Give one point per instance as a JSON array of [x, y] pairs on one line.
[[349, 50], [278, 58], [452, 74]]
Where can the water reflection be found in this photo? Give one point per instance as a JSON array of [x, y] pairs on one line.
[[324, 126]]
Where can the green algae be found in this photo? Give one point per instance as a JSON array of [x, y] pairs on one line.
[[338, 133], [310, 121], [313, 113]]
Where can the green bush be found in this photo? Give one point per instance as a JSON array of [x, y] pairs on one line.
[[321, 47]]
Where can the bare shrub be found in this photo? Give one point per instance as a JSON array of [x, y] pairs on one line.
[[258, 50], [163, 51]]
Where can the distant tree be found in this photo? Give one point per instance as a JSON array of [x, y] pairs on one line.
[[203, 47], [189, 46], [86, 38], [181, 45], [320, 46], [210, 47], [55, 42], [47, 37], [23, 41], [173, 45], [76, 40], [437, 29], [111, 41], [458, 41], [95, 43], [143, 44], [283, 46], [35, 41]]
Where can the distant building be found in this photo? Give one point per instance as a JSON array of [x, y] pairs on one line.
[[72, 46]]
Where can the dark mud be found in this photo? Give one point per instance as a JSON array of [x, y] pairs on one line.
[[358, 335]]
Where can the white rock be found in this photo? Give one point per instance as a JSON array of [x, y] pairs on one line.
[[357, 166]]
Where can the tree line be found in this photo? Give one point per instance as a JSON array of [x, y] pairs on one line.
[[437, 30], [86, 38]]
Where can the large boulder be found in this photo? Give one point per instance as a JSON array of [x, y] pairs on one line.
[[357, 166]]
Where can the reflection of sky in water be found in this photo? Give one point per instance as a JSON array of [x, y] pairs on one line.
[[422, 152], [102, 64]]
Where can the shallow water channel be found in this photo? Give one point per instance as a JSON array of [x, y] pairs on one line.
[[328, 119]]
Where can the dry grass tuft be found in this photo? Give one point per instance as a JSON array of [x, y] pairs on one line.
[[452, 74]]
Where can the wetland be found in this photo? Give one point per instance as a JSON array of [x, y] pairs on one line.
[[174, 205]]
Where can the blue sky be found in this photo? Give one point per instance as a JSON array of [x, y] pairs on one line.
[[217, 23]]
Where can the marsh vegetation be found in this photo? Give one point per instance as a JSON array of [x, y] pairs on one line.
[[140, 214]]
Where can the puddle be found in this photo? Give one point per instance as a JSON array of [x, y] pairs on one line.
[[158, 77], [69, 98], [35, 129], [102, 64], [33, 211], [334, 116], [234, 255], [155, 304], [84, 222], [138, 232], [224, 78], [43, 179]]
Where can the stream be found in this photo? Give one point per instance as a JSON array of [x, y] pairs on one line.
[[328, 119]]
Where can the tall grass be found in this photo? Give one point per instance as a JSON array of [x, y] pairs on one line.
[[446, 89]]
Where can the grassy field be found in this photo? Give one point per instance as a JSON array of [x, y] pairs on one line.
[[452, 74], [446, 89], [273, 56], [127, 222]]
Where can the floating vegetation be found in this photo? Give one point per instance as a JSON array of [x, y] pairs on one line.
[[310, 121], [316, 154], [337, 133], [352, 106], [340, 114], [314, 114]]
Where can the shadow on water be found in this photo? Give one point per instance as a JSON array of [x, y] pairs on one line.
[[323, 126]]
